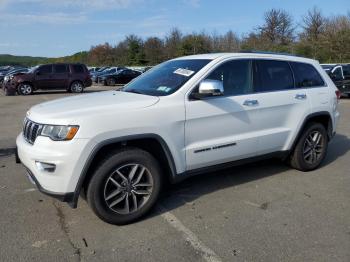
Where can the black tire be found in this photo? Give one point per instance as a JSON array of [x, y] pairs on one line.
[[300, 158], [110, 81], [101, 180], [76, 87], [25, 89]]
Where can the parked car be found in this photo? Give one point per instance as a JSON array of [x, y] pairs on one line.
[[110, 70], [184, 117], [93, 69], [10, 75], [120, 77], [71, 77], [3, 71], [340, 74], [99, 72]]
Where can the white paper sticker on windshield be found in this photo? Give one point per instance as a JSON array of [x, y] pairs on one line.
[[162, 88], [183, 72]]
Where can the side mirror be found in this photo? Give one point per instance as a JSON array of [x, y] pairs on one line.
[[208, 88], [38, 73]]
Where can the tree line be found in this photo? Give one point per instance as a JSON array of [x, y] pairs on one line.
[[314, 35]]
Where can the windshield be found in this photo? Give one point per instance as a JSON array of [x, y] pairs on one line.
[[166, 78], [32, 69]]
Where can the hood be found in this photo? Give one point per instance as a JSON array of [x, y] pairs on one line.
[[24, 76], [65, 110]]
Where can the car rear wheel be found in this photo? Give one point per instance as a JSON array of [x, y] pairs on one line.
[[125, 186], [311, 148], [111, 81], [25, 89], [77, 87]]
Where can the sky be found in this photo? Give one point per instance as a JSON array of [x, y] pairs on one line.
[[54, 28]]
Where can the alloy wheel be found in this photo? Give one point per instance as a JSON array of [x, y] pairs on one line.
[[128, 188], [313, 147], [25, 89], [77, 87]]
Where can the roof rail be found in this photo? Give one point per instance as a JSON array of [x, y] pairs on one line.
[[265, 52]]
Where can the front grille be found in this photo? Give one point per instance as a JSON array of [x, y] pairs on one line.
[[31, 130]]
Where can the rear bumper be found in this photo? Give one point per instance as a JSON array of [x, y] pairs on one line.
[[88, 83]]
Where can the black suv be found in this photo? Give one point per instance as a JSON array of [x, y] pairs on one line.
[[122, 77], [71, 77], [340, 74]]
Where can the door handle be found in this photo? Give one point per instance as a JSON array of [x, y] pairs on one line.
[[300, 96], [251, 103]]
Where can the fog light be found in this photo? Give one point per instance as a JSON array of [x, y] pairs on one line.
[[45, 166]]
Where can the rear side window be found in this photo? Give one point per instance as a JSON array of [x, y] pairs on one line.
[[78, 69], [272, 75], [306, 75], [60, 69], [235, 76], [45, 69]]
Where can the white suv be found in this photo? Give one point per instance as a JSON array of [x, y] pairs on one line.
[[186, 116]]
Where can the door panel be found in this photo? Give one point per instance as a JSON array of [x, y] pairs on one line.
[[220, 130], [280, 115], [60, 76], [43, 77], [223, 129]]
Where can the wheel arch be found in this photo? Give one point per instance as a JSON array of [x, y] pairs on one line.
[[76, 80], [152, 143], [323, 117], [31, 83]]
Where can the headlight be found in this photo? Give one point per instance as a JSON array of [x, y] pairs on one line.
[[6, 78], [59, 133]]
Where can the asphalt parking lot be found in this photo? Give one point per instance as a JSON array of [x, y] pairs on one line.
[[258, 212]]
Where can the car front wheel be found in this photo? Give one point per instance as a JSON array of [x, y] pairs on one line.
[[311, 148], [25, 89], [125, 186]]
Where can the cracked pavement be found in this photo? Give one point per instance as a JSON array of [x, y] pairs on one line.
[[259, 212]]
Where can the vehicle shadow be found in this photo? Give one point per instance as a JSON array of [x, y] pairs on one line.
[[338, 147], [197, 186]]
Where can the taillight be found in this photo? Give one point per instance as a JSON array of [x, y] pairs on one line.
[[338, 94]]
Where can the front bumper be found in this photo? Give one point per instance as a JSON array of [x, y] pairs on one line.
[[10, 86], [68, 157], [67, 197]]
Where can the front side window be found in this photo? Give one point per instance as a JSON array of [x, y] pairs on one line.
[[166, 78], [45, 69], [306, 75], [272, 75], [235, 76]]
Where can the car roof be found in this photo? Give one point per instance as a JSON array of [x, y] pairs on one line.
[[221, 56]]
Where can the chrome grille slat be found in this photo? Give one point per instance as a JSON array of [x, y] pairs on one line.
[[31, 130]]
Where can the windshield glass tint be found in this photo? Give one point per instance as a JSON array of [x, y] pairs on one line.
[[31, 70], [166, 78], [327, 67]]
